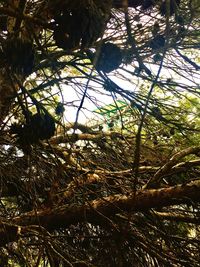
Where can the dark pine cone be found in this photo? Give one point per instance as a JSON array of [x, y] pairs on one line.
[[109, 57], [59, 110], [157, 42], [78, 27], [3, 23], [40, 127], [172, 7], [19, 54], [147, 4]]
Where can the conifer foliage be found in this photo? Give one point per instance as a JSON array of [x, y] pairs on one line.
[[99, 143]]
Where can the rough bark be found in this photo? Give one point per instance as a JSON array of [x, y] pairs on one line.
[[109, 206], [99, 211]]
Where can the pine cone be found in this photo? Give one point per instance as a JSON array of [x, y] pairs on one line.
[[19, 54], [80, 25]]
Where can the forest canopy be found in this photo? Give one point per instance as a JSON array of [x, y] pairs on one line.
[[100, 130]]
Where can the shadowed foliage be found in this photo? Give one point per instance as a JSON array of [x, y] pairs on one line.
[[100, 128]]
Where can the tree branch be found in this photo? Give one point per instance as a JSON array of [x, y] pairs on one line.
[[97, 210], [154, 181]]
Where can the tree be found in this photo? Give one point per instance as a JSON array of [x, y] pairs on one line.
[[120, 186]]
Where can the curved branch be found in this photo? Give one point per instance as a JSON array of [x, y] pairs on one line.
[[84, 136], [100, 209], [168, 166], [177, 217]]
